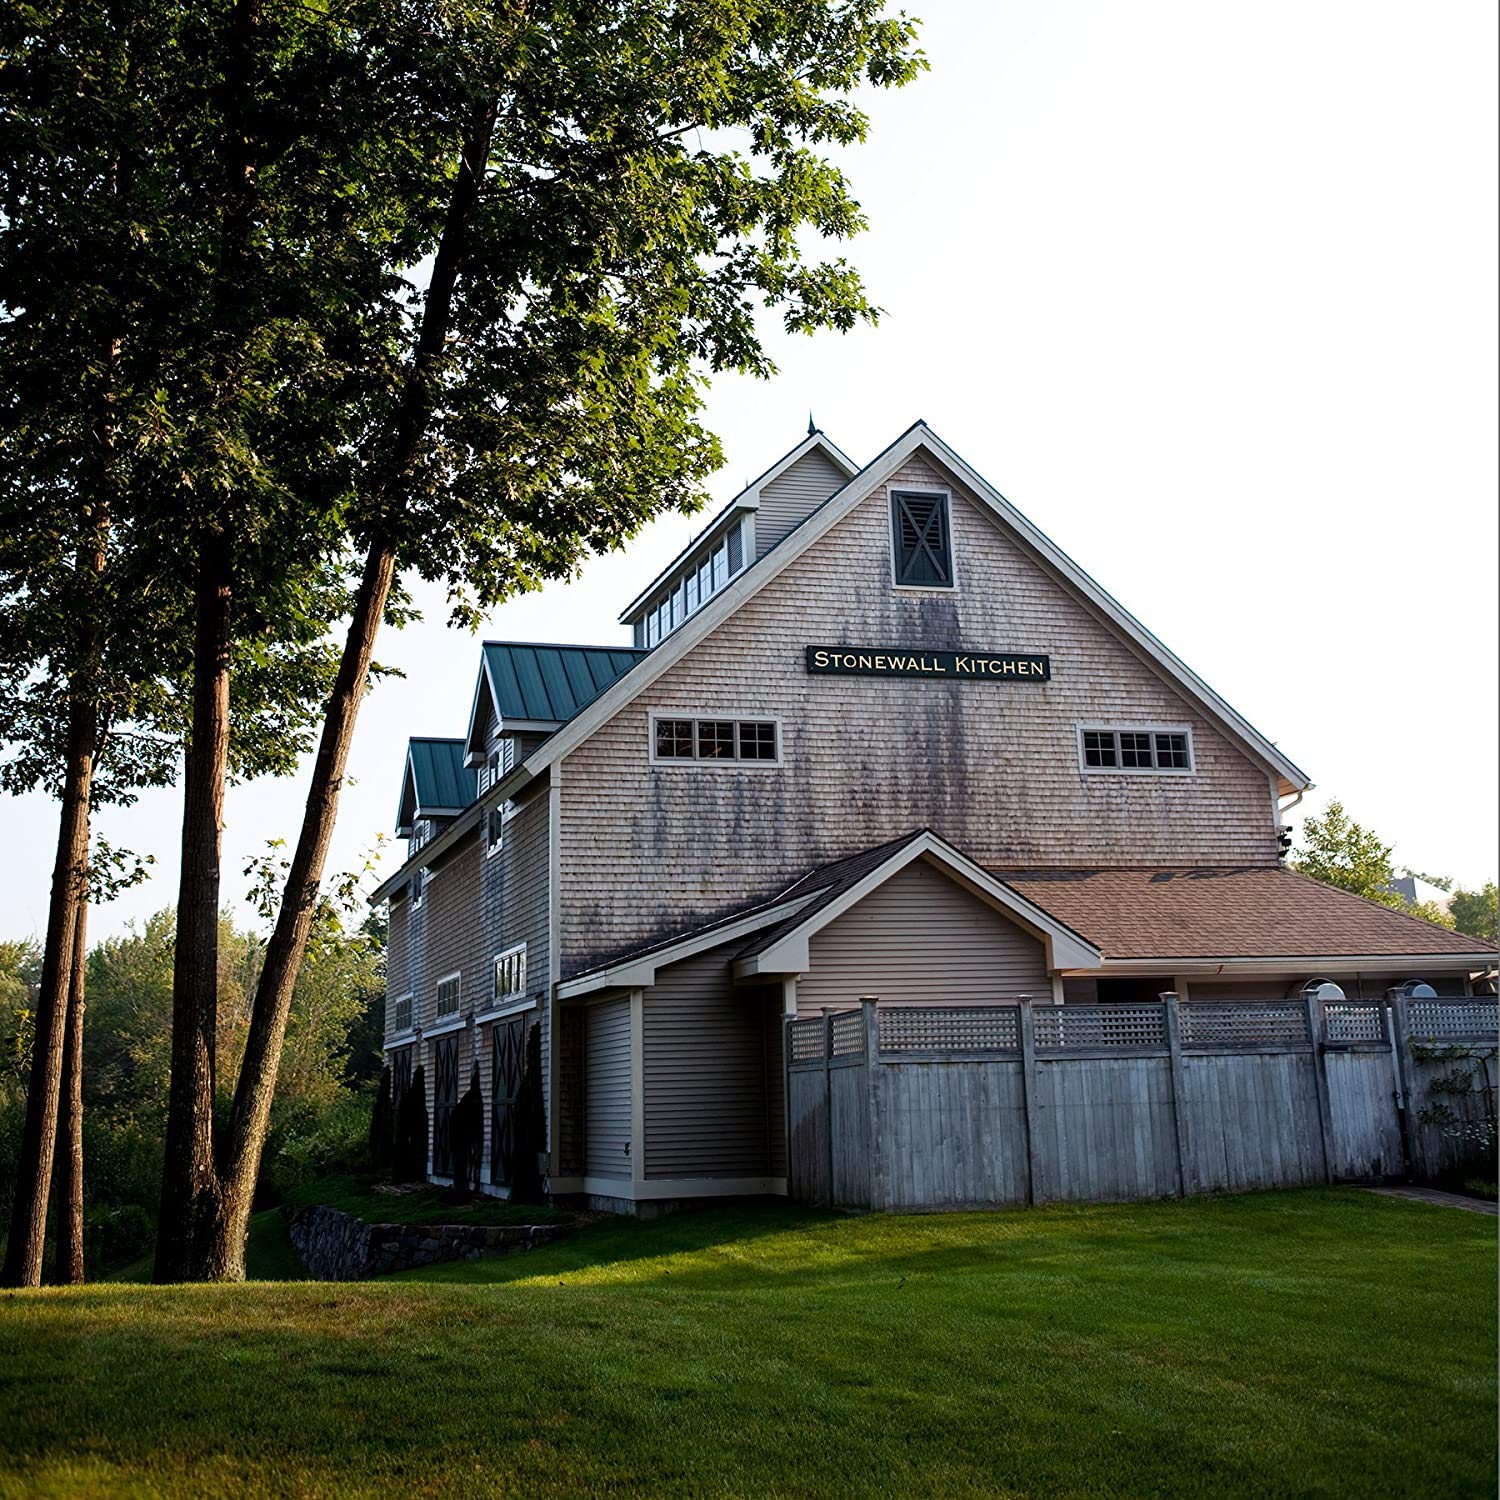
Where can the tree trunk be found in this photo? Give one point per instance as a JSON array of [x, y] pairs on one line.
[[190, 1181], [224, 1256], [28, 1220], [68, 1261]]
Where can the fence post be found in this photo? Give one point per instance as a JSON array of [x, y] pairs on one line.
[[828, 1097], [1315, 1035], [786, 1101], [1401, 1041], [1173, 1022], [878, 1192], [1036, 1187]]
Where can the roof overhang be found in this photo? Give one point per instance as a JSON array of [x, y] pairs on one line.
[[639, 970], [791, 954], [748, 499], [1311, 965], [752, 579]]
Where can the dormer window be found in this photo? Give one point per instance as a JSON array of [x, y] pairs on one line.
[[922, 539], [691, 590]]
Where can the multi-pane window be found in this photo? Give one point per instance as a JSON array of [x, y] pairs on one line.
[[401, 1015], [1136, 750], [510, 973], [715, 739], [690, 591], [449, 990], [924, 550]]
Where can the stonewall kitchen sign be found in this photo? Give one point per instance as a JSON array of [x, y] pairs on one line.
[[890, 661]]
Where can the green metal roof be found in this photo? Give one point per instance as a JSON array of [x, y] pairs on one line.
[[550, 684], [436, 780]]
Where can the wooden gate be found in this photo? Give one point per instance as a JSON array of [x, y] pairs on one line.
[[507, 1064]]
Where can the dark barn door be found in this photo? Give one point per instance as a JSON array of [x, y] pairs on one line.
[[444, 1097], [507, 1063]]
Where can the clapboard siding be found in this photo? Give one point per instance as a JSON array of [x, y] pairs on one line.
[[791, 497], [708, 1110], [607, 1083], [922, 939], [991, 767]]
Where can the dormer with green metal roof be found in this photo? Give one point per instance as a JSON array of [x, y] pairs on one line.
[[435, 785], [528, 688]]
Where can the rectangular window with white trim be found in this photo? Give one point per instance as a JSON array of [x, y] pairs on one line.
[[510, 974], [729, 740], [1150, 749], [401, 1014], [449, 991]]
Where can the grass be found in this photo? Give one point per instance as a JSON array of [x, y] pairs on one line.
[[1313, 1343], [419, 1205]]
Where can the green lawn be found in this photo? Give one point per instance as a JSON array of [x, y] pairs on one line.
[[423, 1205], [1309, 1343]]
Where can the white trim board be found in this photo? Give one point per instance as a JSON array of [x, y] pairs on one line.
[[639, 972]]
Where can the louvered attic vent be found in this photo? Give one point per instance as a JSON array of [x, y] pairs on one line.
[[924, 552]]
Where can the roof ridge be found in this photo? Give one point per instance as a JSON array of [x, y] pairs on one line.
[[566, 646]]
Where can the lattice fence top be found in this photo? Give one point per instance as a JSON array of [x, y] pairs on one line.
[[1354, 1021], [806, 1040], [848, 1033], [1059, 1026], [933, 1028], [1215, 1023], [1453, 1020]]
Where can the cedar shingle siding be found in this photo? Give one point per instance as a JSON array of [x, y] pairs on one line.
[[992, 768]]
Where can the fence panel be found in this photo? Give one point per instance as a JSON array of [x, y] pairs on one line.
[[1366, 1140], [1253, 1121], [950, 1029], [1230, 1023], [1080, 1027]]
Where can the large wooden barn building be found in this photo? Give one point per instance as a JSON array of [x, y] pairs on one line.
[[874, 735]]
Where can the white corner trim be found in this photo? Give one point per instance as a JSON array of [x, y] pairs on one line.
[[640, 972]]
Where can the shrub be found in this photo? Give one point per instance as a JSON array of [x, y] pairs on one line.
[[306, 1147], [114, 1234]]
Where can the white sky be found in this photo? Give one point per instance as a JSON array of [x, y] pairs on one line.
[[1207, 291]]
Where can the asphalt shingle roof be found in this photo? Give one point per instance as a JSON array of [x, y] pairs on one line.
[[1264, 912]]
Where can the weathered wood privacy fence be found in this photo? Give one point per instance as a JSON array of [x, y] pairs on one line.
[[938, 1107]]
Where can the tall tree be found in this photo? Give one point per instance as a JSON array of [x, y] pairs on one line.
[[625, 183], [102, 104], [1477, 912], [1339, 851]]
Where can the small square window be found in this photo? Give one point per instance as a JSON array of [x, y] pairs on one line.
[[1135, 749], [1172, 752], [715, 739], [757, 740], [1098, 748], [674, 739]]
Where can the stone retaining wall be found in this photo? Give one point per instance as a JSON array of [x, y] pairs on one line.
[[336, 1246]]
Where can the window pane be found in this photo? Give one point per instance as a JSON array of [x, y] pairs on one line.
[[715, 739], [1171, 752], [692, 593], [1135, 749], [721, 568], [757, 740], [674, 739], [1098, 747], [653, 628]]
